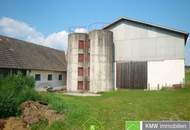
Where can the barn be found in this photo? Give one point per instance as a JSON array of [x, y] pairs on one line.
[[147, 56], [128, 54]]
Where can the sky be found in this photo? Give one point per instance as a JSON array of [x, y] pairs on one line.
[[48, 22]]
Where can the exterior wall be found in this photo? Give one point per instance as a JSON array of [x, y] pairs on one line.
[[72, 60], [165, 73], [55, 82], [163, 50], [101, 61], [134, 42]]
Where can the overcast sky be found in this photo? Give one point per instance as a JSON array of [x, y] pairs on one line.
[[48, 22]]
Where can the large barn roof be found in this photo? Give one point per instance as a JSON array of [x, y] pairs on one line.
[[124, 19], [20, 54]]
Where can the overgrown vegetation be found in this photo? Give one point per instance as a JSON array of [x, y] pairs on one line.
[[112, 109], [15, 89]]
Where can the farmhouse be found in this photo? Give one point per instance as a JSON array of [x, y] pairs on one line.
[[47, 65], [126, 54]]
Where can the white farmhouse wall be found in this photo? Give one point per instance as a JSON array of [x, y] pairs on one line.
[[135, 42], [165, 73], [44, 82]]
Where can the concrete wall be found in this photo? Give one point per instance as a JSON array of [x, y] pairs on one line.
[[135, 42], [101, 61], [55, 82], [72, 60], [163, 50], [165, 73]]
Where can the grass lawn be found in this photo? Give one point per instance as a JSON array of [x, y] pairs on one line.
[[112, 109], [187, 76]]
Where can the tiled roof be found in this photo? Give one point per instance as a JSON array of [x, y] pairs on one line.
[[20, 54]]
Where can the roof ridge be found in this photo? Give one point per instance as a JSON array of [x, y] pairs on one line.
[[35, 44], [146, 23]]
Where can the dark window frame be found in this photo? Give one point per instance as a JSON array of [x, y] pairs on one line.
[[37, 77], [60, 77], [50, 77]]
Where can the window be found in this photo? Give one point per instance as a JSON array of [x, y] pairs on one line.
[[87, 83], [37, 77], [80, 71], [49, 76], [87, 57], [60, 77], [80, 85], [81, 58], [81, 44], [87, 44], [88, 71]]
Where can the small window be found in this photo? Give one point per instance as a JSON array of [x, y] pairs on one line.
[[37, 77], [88, 71], [81, 58], [80, 71], [49, 76], [87, 44], [60, 77], [87, 57], [80, 85], [81, 44]]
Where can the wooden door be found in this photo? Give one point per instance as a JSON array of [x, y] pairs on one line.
[[132, 75]]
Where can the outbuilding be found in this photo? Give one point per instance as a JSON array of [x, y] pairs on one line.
[[147, 56], [46, 65]]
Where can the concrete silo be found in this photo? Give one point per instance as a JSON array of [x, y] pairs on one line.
[[77, 63], [90, 62], [101, 60]]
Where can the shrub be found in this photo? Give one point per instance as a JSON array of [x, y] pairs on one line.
[[15, 89]]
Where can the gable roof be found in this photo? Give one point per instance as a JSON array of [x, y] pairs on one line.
[[20, 54], [124, 19]]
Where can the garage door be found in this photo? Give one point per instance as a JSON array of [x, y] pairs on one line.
[[132, 75]]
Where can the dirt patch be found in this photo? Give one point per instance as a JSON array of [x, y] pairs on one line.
[[32, 112], [2, 124], [13, 123]]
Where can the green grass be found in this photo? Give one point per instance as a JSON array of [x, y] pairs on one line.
[[187, 76], [112, 109]]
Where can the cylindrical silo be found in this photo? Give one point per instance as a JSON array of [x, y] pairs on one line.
[[101, 60], [73, 64]]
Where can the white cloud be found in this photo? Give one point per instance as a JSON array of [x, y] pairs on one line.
[[57, 40], [16, 28], [22, 30], [81, 30]]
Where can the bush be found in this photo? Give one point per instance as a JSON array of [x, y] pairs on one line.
[[15, 89]]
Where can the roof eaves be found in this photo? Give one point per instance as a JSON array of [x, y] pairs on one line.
[[148, 24]]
